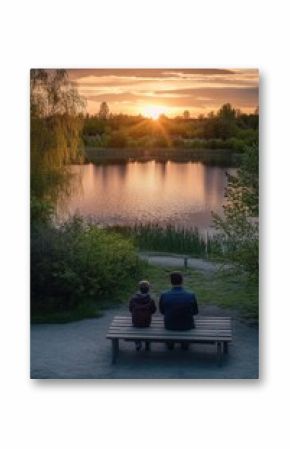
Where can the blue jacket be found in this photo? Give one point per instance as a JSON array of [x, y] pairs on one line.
[[178, 307]]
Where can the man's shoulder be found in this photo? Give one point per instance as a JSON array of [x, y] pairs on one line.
[[171, 293], [189, 294], [166, 293]]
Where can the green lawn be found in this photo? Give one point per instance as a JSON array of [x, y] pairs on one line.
[[225, 289]]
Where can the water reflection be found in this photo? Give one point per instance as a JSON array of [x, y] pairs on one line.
[[179, 193]]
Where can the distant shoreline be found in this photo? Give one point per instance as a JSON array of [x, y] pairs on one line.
[[122, 155]]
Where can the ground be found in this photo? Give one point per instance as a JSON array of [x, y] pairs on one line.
[[80, 350], [178, 261]]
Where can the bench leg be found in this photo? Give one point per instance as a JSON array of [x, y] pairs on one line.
[[115, 349], [226, 347], [147, 345], [219, 353]]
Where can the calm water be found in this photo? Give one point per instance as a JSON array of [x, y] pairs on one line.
[[180, 193]]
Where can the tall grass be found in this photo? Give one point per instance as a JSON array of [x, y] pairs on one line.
[[154, 237]]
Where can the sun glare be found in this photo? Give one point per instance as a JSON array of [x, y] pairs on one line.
[[153, 111]]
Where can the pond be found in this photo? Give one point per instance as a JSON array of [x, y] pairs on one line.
[[183, 194]]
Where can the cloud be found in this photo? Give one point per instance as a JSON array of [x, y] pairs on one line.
[[126, 89], [141, 73], [187, 97]]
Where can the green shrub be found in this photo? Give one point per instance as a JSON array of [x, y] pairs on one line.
[[239, 225], [117, 139], [236, 144], [216, 144], [40, 211], [79, 263]]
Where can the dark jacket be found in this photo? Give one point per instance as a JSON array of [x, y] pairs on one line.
[[178, 307], [142, 307]]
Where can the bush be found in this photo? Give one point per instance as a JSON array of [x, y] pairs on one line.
[[79, 263], [236, 144], [216, 144], [117, 140], [249, 136], [40, 211], [93, 141], [239, 226]]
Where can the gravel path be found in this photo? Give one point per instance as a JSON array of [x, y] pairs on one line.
[[176, 260], [79, 350]]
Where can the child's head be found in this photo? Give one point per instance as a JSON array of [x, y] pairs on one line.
[[144, 286]]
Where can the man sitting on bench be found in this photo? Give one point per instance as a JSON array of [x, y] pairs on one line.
[[178, 307]]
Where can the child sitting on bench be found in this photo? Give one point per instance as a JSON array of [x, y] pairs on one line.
[[142, 307]]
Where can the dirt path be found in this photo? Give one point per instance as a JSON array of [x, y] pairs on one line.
[[178, 260], [79, 350]]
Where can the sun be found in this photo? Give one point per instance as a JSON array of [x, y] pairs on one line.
[[153, 111]]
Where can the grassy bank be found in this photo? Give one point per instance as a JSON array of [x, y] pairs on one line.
[[223, 157], [154, 237], [79, 270], [225, 289]]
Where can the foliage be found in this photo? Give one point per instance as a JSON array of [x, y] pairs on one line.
[[218, 157], [227, 129], [56, 126], [78, 264], [223, 288], [117, 139], [40, 211], [104, 111], [239, 227], [154, 237]]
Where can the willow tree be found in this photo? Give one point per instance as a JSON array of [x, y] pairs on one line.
[[56, 124]]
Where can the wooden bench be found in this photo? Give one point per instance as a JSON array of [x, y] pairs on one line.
[[209, 330]]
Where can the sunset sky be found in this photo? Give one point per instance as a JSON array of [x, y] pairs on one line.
[[167, 91]]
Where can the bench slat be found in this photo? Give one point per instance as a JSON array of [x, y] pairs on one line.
[[161, 325], [217, 330], [165, 338], [168, 332], [168, 336], [163, 329], [158, 320], [160, 317]]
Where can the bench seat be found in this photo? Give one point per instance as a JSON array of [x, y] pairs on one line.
[[211, 330]]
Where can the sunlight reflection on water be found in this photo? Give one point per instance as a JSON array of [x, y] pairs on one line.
[[183, 194]]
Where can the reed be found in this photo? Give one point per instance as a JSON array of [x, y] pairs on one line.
[[170, 238]]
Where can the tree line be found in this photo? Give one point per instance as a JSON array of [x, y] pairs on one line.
[[228, 128]]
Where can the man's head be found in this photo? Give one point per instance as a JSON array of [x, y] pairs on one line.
[[144, 286], [176, 278]]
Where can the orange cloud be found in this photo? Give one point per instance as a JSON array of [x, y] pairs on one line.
[[199, 90]]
